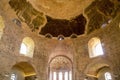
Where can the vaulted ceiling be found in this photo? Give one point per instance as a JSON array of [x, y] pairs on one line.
[[65, 17]]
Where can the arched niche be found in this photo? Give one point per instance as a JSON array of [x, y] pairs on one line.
[[105, 73], [60, 68], [22, 71], [94, 68], [2, 26], [27, 47]]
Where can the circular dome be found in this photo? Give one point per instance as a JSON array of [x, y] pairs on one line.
[[61, 9]]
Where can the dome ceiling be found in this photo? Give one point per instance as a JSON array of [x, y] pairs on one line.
[[64, 17], [61, 9], [64, 27]]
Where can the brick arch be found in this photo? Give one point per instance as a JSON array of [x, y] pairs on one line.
[[93, 68]]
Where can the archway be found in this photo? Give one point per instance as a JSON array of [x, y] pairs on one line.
[[97, 70], [105, 73], [60, 68], [23, 71]]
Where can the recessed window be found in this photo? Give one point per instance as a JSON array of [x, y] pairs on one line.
[[104, 25], [27, 47], [108, 76], [60, 37], [95, 47], [98, 49], [13, 77]]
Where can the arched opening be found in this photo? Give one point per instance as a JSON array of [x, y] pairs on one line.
[[60, 68], [95, 47], [2, 26], [105, 74], [99, 70], [23, 71], [27, 47]]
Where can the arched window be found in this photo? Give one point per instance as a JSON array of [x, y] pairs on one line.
[[108, 76], [27, 47], [1, 26], [95, 47], [61, 69]]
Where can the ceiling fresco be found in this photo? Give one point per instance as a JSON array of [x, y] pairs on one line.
[[65, 17]]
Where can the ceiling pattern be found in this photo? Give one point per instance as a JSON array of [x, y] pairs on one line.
[[65, 17]]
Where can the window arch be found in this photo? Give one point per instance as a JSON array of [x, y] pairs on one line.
[[27, 47], [95, 47], [60, 68], [1, 26]]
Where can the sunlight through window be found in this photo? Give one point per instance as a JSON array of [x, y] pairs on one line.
[[23, 49], [108, 76], [95, 47], [54, 75], [66, 76], [13, 77], [50, 75], [60, 76], [70, 75], [98, 49]]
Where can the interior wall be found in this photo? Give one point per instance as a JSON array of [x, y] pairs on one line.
[[13, 35]]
